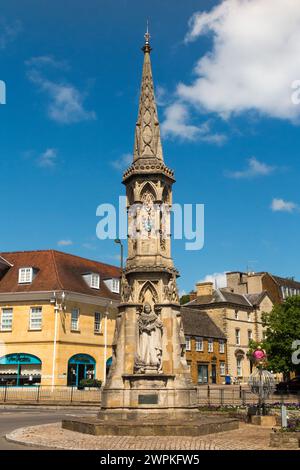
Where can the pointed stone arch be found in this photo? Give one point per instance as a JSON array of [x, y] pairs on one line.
[[148, 293], [148, 186]]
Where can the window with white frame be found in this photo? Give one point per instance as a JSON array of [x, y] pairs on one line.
[[199, 344], [237, 336], [95, 281], [210, 345], [222, 368], [35, 318], [239, 371], [222, 346], [98, 322], [6, 319], [75, 319], [249, 316], [115, 287], [236, 314], [250, 335], [25, 275], [187, 343]]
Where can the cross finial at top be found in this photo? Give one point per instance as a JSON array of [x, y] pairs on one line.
[[147, 37]]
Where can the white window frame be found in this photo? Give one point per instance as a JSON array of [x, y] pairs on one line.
[[199, 344], [237, 336], [210, 345], [35, 318], [75, 326], [25, 275], [250, 335], [239, 368], [187, 343], [236, 315], [222, 346], [95, 281], [98, 322], [222, 368], [115, 285], [6, 319]]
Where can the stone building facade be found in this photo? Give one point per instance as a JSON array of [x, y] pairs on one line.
[[206, 348], [57, 317], [278, 288], [239, 316]]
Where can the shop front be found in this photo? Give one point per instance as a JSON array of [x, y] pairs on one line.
[[20, 369], [80, 367]]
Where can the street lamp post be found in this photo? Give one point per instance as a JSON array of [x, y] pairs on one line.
[[118, 242]]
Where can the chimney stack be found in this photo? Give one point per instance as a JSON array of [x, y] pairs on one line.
[[204, 288]]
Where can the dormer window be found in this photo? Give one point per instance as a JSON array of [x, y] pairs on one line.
[[25, 275], [113, 284], [95, 281], [92, 280]]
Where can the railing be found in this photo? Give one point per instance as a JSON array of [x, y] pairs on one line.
[[207, 395], [43, 393], [238, 396]]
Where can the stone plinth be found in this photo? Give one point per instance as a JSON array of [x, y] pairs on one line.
[[158, 427], [149, 392], [267, 421], [285, 440]]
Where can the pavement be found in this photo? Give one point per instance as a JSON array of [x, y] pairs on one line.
[[12, 418]]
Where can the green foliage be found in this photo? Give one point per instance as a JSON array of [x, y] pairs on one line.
[[90, 383], [282, 328], [184, 299]]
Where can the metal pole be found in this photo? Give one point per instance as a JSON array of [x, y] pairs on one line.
[[105, 346]]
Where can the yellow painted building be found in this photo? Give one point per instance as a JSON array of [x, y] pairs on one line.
[[57, 318]]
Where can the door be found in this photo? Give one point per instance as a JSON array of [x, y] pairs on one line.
[[213, 374], [202, 374]]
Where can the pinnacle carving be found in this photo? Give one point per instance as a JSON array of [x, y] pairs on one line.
[[147, 132]]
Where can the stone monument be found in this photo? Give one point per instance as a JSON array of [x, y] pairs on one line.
[[149, 388]]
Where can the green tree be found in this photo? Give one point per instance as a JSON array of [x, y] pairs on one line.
[[282, 329]]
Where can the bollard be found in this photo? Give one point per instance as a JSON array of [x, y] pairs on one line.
[[283, 416]]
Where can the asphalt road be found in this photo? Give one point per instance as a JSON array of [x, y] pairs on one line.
[[13, 418]]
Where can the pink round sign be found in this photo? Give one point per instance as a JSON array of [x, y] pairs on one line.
[[259, 355]]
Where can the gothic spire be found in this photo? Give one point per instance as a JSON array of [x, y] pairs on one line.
[[147, 132]]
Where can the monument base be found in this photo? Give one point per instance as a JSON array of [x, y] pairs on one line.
[[138, 426]]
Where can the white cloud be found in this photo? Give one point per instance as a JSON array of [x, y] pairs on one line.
[[219, 279], [8, 32], [66, 102], [64, 243], [48, 158], [279, 205], [46, 60], [254, 60], [176, 124], [254, 168], [122, 162]]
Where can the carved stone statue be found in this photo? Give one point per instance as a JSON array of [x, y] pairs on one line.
[[171, 291], [126, 290], [149, 343]]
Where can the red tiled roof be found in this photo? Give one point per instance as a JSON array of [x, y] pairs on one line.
[[56, 270]]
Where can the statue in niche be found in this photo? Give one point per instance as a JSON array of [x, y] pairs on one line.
[[171, 291], [149, 341], [126, 290]]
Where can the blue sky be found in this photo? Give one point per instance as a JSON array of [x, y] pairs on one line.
[[230, 128]]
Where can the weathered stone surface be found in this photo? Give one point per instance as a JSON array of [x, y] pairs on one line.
[[286, 440], [267, 421], [158, 427]]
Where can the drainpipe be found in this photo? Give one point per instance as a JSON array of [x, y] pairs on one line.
[[105, 342], [57, 308]]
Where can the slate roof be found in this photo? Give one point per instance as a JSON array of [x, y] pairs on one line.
[[221, 296], [55, 270], [198, 323]]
